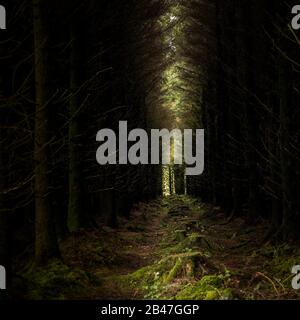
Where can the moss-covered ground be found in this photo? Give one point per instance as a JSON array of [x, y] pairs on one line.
[[172, 248]]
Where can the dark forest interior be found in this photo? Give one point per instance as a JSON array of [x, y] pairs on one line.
[[72, 229]]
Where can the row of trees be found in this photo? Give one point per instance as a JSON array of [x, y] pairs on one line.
[[250, 112], [235, 73], [68, 70]]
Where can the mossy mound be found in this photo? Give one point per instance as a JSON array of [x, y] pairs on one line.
[[210, 287], [55, 281], [175, 270]]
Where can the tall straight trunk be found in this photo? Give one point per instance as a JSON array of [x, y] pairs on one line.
[[6, 153], [289, 225], [246, 84], [5, 259], [235, 150], [276, 204], [46, 246], [222, 110], [76, 217], [273, 182]]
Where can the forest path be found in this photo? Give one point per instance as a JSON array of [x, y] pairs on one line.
[[179, 248]]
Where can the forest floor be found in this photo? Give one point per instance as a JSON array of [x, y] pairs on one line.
[[171, 248]]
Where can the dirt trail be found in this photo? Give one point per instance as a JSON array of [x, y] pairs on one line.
[[110, 253], [178, 248]]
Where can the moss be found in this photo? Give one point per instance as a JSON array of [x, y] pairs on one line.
[[210, 287], [55, 281], [174, 271], [281, 267], [211, 295], [226, 294], [154, 281], [141, 281], [179, 243], [180, 235], [281, 259]]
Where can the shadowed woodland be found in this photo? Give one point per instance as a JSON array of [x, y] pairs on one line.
[[72, 229]]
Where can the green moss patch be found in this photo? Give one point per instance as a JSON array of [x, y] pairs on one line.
[[55, 281], [166, 276], [210, 287]]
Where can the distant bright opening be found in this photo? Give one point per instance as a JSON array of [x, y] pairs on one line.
[[173, 179]]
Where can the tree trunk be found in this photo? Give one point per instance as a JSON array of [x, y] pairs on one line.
[[76, 217], [289, 225], [247, 87], [46, 246], [5, 259]]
